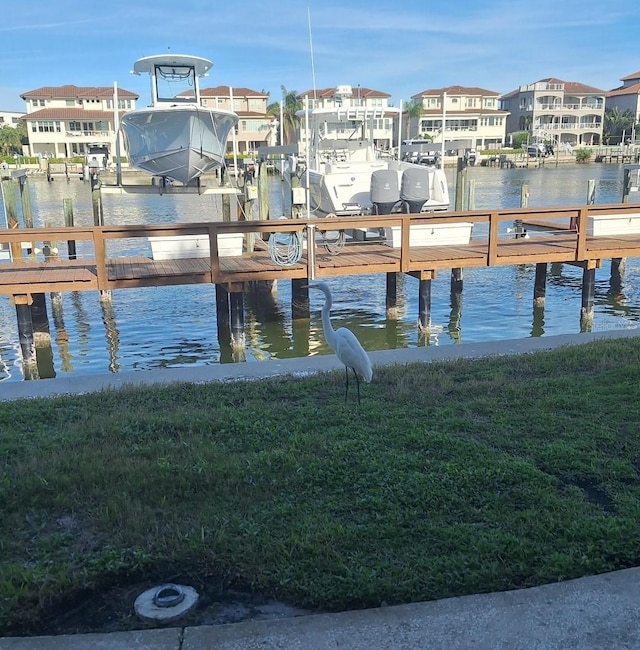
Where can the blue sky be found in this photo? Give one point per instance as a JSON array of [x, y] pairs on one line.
[[400, 47]]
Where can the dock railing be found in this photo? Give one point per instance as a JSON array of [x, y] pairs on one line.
[[492, 241]]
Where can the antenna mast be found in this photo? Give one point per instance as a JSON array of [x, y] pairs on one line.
[[313, 69]]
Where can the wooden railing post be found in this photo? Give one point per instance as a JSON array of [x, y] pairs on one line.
[[99, 249], [311, 251], [405, 247], [581, 245], [214, 258], [492, 256]]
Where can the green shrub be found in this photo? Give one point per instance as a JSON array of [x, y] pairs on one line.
[[583, 155]]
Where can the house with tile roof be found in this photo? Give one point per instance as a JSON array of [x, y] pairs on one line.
[[67, 121], [558, 111], [626, 97], [254, 128], [472, 118], [376, 102]]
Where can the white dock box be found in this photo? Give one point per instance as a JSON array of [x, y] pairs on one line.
[[438, 234], [182, 247], [614, 224]]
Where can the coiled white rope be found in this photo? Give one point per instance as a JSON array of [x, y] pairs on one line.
[[285, 248]]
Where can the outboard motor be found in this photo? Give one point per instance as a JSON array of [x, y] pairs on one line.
[[414, 190], [384, 191]]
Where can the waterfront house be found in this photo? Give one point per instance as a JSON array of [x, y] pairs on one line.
[[352, 97], [626, 98], [67, 121], [254, 128], [558, 111], [10, 118], [473, 119]]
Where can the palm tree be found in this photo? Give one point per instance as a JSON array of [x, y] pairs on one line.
[[413, 111], [291, 103], [11, 139], [616, 122]]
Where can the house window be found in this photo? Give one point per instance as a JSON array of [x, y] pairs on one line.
[[255, 104], [87, 126], [75, 126], [69, 102], [46, 126]]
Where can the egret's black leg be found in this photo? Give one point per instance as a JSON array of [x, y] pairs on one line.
[[346, 375], [357, 384]]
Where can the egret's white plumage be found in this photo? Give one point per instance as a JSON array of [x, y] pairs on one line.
[[344, 343]]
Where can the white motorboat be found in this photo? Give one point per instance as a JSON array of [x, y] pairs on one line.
[[176, 138], [341, 171]]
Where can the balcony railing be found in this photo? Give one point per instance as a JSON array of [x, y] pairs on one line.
[[569, 126], [569, 107]]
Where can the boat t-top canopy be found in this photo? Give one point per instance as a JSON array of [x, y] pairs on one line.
[[148, 64], [174, 77]]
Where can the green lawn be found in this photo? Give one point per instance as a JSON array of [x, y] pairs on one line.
[[449, 479]]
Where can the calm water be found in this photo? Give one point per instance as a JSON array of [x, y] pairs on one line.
[[176, 326]]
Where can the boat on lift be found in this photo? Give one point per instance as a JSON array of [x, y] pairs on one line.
[[176, 138], [346, 173]]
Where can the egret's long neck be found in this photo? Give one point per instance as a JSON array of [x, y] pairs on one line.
[[329, 332]]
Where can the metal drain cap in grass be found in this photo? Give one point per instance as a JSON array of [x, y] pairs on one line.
[[166, 603]]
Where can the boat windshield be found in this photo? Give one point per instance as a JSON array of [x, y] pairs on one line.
[[175, 83]]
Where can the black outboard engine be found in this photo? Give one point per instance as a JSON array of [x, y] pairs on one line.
[[384, 191], [414, 190]]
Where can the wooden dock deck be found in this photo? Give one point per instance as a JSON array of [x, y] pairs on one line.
[[99, 271]]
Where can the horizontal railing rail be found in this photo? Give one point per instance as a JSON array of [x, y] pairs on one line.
[[489, 239]]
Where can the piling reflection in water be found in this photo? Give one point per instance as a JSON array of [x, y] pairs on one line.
[[176, 326]]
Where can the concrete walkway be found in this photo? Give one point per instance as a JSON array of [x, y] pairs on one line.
[[297, 367], [592, 613]]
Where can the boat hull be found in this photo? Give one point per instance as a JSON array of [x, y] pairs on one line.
[[345, 188], [178, 142]]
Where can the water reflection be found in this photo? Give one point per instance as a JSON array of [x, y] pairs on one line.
[[61, 338], [111, 333], [177, 326]]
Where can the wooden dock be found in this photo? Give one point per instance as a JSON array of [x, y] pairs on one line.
[[555, 235], [95, 270]]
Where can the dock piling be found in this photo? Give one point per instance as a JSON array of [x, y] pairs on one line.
[[67, 205], [26, 335], [223, 318], [540, 285], [236, 304], [392, 296], [96, 200], [299, 299], [424, 307], [588, 292], [617, 270]]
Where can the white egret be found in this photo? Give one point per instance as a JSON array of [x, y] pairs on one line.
[[344, 343]]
